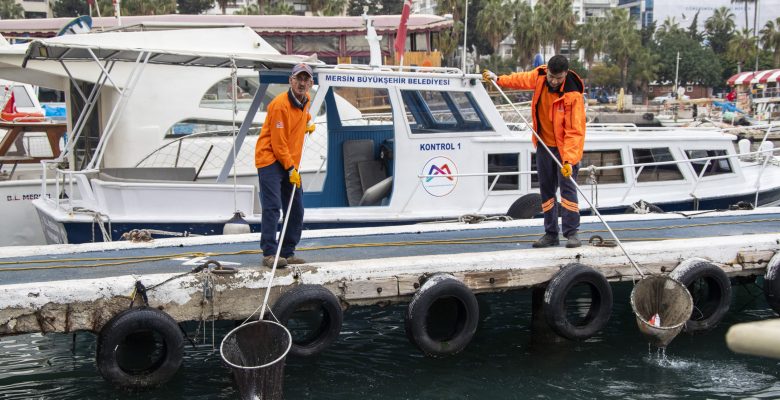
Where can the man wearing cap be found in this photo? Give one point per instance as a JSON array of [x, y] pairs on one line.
[[277, 158]]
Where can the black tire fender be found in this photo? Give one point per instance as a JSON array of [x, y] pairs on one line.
[[554, 305], [137, 321], [527, 206], [772, 283], [708, 308], [440, 288], [306, 296]]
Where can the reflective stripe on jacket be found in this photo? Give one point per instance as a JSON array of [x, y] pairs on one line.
[[568, 111]]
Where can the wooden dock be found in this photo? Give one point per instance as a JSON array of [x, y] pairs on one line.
[[80, 287]]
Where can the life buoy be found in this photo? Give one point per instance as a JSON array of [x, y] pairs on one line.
[[772, 283], [710, 289], [22, 116], [527, 206], [122, 358], [319, 299], [442, 317], [554, 307]]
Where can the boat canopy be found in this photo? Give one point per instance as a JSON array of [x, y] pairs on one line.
[[215, 47], [744, 78]]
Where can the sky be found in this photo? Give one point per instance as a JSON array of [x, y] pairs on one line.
[[767, 9]]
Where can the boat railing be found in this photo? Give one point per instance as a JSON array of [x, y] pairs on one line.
[[400, 68], [765, 161], [70, 200]]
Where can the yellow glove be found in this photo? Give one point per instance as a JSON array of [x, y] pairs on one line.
[[310, 129], [566, 170], [295, 177], [488, 76]]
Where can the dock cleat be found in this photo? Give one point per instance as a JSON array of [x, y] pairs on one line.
[[547, 240], [268, 261]]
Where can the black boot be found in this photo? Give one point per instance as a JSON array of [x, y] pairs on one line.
[[573, 241], [547, 240]]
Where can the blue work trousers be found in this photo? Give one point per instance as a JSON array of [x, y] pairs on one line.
[[275, 191], [550, 179]]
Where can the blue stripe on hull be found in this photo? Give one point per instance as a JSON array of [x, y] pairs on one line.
[[83, 232]]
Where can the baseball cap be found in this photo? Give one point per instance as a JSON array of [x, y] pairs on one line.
[[302, 68]]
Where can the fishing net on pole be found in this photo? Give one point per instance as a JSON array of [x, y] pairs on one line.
[[256, 352], [662, 306]]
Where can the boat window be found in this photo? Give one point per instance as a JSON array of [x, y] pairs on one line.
[[506, 162], [206, 128], [429, 111], [220, 94], [655, 173], [361, 106], [601, 158], [715, 167]]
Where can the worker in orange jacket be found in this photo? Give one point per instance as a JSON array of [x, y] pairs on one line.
[[558, 111], [277, 158]]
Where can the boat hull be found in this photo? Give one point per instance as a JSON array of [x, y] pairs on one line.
[[87, 232]]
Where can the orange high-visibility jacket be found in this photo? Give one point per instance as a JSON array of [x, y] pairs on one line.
[[281, 137], [567, 112]]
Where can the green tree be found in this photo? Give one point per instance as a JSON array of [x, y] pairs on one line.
[[193, 6], [603, 75], [248, 9], [719, 29], [447, 42], [742, 48], [148, 7], [69, 8], [745, 2], [560, 21], [494, 22], [591, 39], [693, 28], [643, 69], [623, 39], [526, 40], [280, 8], [334, 7], [770, 37], [10, 10], [698, 64]]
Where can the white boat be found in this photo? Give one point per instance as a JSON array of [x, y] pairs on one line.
[[452, 155], [168, 102]]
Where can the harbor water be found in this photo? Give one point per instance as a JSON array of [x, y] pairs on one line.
[[372, 359]]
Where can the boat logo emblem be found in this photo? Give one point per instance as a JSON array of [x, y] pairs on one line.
[[439, 185]]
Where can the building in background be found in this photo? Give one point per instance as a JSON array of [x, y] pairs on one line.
[[36, 8]]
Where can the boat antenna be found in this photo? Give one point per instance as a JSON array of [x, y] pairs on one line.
[[465, 33]]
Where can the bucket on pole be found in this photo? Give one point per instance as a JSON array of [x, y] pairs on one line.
[[256, 352], [662, 307]]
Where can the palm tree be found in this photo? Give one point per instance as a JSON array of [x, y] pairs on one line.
[[669, 26], [745, 2], [280, 8], [742, 48], [770, 37], [562, 23], [720, 28], [10, 10], [494, 22], [334, 7], [526, 40], [624, 40], [590, 38]]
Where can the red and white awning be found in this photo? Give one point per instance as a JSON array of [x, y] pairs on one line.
[[765, 76]]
